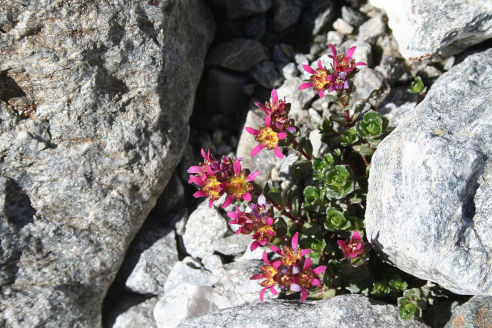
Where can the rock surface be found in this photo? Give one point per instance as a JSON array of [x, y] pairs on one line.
[[153, 266], [237, 55], [426, 27], [94, 106], [138, 316], [429, 199], [476, 313], [347, 311], [204, 226]]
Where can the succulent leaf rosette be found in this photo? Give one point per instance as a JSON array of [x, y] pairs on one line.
[[371, 126], [339, 182]]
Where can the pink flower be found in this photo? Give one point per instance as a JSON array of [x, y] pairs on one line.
[[344, 62], [291, 255], [277, 111], [306, 279], [267, 137], [353, 247], [270, 274], [215, 178], [319, 79]]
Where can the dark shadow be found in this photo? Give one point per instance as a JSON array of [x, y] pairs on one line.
[[18, 208], [9, 88]]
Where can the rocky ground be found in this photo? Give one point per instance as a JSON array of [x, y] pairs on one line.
[[95, 104]]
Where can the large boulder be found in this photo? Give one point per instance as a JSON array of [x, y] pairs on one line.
[[345, 311], [430, 185], [95, 99], [424, 28]]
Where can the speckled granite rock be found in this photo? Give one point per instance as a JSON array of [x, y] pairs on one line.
[[346, 311], [94, 105], [138, 316], [429, 203], [426, 27], [476, 313]]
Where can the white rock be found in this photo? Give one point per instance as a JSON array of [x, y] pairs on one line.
[[343, 27], [334, 38], [187, 301], [203, 227]]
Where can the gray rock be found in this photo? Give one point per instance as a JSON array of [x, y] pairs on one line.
[[393, 69], [266, 74], [224, 91], [334, 38], [289, 70], [476, 313], [154, 265], [112, 84], [363, 51], [371, 29], [255, 27], [204, 226], [425, 27], [286, 13], [343, 27], [429, 200], [232, 245], [318, 15], [187, 301], [353, 17], [237, 55], [235, 283], [398, 106], [188, 272], [370, 86], [345, 311], [137, 316], [299, 99], [283, 53], [243, 8]]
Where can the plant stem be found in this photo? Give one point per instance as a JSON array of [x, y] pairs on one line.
[[365, 160], [296, 147]]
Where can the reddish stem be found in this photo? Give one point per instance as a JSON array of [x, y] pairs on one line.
[[282, 210], [365, 160], [296, 147]]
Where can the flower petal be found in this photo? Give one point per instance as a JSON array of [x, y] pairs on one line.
[[261, 200], [196, 180], [295, 287], [254, 245], [320, 269], [237, 167], [341, 244], [356, 235], [320, 64], [268, 120], [274, 96], [228, 201], [308, 69], [199, 194], [211, 202], [252, 176], [306, 85], [360, 64], [281, 135], [276, 264], [269, 221], [291, 129], [263, 293], [304, 295], [305, 252], [307, 263], [263, 108], [278, 153], [257, 149], [295, 240], [334, 51], [265, 257], [315, 282], [252, 131], [273, 290], [321, 93], [350, 52], [247, 196], [256, 276], [276, 249], [194, 169]]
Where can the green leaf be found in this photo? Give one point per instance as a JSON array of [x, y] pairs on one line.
[[417, 87], [371, 125], [398, 284], [363, 149], [349, 136], [380, 288], [408, 309], [335, 220], [306, 146], [339, 182]]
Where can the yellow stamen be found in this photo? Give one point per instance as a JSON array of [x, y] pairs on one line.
[[238, 186], [268, 137]]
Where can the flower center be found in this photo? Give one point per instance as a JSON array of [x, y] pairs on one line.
[[268, 137], [238, 186], [319, 80], [290, 256], [305, 278], [212, 188], [266, 232]]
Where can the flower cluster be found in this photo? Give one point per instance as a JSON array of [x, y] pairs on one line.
[[259, 222], [292, 272], [353, 249], [334, 79], [218, 177], [277, 124]]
